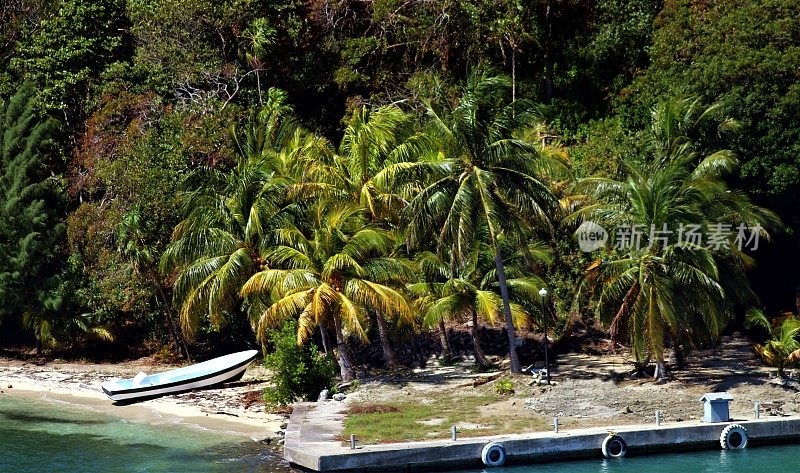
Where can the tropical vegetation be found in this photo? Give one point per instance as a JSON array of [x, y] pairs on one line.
[[207, 175]]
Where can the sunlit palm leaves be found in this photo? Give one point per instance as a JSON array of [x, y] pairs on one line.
[[782, 348], [330, 272], [222, 240], [372, 140], [482, 175]]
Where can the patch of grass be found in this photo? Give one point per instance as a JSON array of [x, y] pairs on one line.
[[372, 409], [476, 368], [432, 417]]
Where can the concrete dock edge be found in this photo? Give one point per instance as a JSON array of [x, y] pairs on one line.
[[316, 445]]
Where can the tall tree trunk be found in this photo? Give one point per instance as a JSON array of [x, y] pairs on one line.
[[513, 76], [446, 353], [258, 84], [323, 334], [548, 79], [177, 339], [345, 365], [383, 335], [480, 357], [512, 334]]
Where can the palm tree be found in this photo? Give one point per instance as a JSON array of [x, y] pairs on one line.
[[222, 240], [372, 139], [481, 176], [57, 326], [659, 285], [469, 293], [782, 348], [258, 38], [433, 272], [333, 271]]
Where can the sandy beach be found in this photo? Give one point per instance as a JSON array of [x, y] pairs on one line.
[[235, 409]]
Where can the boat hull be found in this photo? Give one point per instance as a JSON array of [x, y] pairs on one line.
[[216, 377]]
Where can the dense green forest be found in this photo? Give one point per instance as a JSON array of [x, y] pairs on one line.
[[198, 174]]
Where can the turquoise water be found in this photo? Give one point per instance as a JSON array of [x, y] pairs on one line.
[[784, 458], [37, 436]]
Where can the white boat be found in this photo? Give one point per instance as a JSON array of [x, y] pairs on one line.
[[201, 375]]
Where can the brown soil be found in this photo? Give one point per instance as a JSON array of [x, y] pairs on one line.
[[592, 390]]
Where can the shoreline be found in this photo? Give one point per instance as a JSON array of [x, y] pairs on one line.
[[323, 453], [224, 410]]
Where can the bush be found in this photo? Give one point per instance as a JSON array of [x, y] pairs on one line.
[[299, 371], [504, 387]]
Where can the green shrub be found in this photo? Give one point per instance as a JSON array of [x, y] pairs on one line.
[[504, 387], [298, 371]]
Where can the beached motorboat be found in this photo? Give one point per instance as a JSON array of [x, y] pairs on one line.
[[200, 375]]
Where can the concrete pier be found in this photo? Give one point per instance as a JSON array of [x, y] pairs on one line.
[[315, 445]]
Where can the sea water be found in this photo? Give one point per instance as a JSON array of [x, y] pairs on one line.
[[38, 436], [41, 436], [763, 459]]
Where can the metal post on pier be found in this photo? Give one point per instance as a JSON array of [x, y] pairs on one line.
[[454, 433], [353, 441]]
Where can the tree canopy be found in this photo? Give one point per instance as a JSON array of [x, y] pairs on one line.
[[203, 172]]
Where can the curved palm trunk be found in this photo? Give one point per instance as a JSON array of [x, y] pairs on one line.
[[383, 335], [323, 334], [345, 365], [258, 84], [445, 341], [480, 357], [512, 334]]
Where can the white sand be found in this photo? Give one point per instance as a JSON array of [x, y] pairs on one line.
[[220, 409]]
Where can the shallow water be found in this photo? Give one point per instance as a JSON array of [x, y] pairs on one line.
[[38, 436]]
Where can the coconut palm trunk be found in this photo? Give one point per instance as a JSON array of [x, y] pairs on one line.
[[323, 334], [345, 365], [512, 334], [445, 341], [383, 335], [480, 357]]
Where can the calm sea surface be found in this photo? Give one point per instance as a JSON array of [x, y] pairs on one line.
[[37, 436], [785, 458]]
